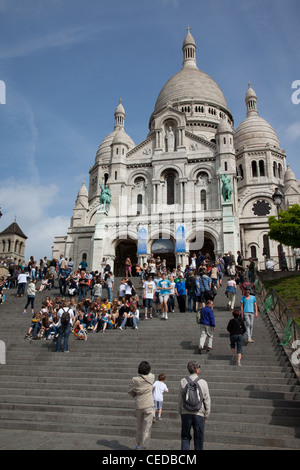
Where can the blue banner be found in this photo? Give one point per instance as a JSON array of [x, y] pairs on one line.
[[142, 241], [180, 239]]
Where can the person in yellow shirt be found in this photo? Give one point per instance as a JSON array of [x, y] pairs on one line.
[[106, 305]]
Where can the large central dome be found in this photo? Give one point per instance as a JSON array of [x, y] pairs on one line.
[[190, 83]]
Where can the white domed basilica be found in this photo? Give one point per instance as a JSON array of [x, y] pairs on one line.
[[193, 184]]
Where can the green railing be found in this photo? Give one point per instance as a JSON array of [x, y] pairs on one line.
[[285, 323]]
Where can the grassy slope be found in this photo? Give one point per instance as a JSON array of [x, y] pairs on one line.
[[289, 291]]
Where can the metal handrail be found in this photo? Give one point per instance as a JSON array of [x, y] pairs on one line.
[[283, 321]]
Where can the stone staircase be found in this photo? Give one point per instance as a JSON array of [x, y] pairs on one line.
[[84, 393]]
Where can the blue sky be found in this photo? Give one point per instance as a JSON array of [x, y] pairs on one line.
[[66, 63]]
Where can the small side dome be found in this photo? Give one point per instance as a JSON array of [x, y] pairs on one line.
[[83, 190], [117, 136], [254, 131], [82, 197], [224, 126], [120, 138], [289, 176]]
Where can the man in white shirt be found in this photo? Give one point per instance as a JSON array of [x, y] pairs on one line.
[[171, 299], [270, 265], [297, 258], [122, 288], [22, 281], [149, 292]]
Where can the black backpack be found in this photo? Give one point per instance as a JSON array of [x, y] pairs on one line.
[[190, 282], [192, 397], [65, 318]]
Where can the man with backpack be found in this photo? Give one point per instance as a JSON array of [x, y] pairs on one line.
[[191, 290], [194, 407], [65, 321]]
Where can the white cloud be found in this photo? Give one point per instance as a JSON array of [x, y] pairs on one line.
[[66, 37], [29, 205]]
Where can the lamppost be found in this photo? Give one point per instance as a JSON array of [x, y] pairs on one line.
[[277, 199]]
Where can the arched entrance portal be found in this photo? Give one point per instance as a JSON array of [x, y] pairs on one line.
[[124, 249], [165, 249], [207, 248]]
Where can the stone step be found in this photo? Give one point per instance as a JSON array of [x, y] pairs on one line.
[[84, 393], [241, 405], [168, 413], [211, 436], [127, 419], [288, 398], [234, 386]]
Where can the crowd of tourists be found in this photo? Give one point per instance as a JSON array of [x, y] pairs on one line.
[[80, 302], [86, 298]]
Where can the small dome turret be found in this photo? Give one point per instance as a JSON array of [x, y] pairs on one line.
[[254, 131], [104, 150], [251, 101], [119, 116], [82, 196], [189, 51], [289, 176]]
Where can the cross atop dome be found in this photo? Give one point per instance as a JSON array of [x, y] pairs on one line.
[[189, 50], [251, 101], [119, 116]]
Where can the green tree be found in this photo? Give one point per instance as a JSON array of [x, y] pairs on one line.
[[285, 228]]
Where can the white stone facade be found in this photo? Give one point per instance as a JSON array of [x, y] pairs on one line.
[[169, 185]]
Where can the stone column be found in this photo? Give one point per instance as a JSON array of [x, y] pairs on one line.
[[98, 240]]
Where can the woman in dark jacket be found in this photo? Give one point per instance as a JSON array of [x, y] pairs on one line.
[[236, 328]]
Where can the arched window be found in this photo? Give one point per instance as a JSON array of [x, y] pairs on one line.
[[275, 169], [170, 189], [203, 199], [266, 246], [3, 245], [261, 168], [203, 177], [254, 168], [253, 252], [279, 171], [139, 204], [241, 171]]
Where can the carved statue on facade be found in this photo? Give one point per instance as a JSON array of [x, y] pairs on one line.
[[105, 197], [170, 140], [226, 188]]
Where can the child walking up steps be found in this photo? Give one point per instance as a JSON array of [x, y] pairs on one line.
[[159, 388]]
